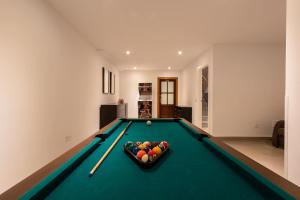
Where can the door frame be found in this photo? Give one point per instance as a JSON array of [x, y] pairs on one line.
[[158, 92]]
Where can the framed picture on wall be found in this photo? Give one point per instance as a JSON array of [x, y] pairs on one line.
[[112, 82], [105, 81]]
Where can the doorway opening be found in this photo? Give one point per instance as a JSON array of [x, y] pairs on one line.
[[204, 100]]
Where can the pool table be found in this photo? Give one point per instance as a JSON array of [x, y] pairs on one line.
[[197, 166]]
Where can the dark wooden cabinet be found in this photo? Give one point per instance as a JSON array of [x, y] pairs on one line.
[[110, 112], [183, 112]]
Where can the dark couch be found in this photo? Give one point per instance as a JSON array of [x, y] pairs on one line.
[[278, 134]]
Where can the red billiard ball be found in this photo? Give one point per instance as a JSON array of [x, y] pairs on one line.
[[154, 144], [151, 152], [140, 154]]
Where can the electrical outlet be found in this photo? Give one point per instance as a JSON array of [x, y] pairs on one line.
[[68, 138]]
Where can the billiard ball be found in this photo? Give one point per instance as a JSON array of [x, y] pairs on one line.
[[154, 144], [140, 154], [166, 145], [145, 158], [161, 146], [135, 150], [147, 143], [152, 157], [141, 146], [147, 149], [148, 123], [157, 150], [138, 143], [128, 144], [151, 145], [151, 152]]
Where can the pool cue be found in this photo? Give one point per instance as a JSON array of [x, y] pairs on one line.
[[109, 150]]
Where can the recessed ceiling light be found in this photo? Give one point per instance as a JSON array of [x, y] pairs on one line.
[[199, 67], [179, 52], [128, 52], [134, 68], [169, 68]]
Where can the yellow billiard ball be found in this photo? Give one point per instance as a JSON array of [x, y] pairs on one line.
[[157, 150]]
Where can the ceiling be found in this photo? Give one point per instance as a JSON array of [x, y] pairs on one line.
[[155, 30]]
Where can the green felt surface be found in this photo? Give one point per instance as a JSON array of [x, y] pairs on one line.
[[192, 169]]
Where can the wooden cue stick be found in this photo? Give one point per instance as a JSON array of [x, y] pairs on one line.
[[109, 150]]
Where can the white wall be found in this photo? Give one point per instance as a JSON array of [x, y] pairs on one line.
[[191, 86], [292, 150], [248, 89], [50, 88], [129, 81]]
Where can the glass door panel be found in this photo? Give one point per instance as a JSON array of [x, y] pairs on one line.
[[164, 99], [170, 99], [164, 86], [170, 86]]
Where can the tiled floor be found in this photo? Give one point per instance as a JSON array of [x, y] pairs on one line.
[[262, 151]]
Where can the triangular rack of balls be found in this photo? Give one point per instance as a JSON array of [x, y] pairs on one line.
[[146, 152]]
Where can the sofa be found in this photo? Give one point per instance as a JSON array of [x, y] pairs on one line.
[[278, 134]]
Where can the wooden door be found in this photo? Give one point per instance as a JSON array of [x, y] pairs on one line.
[[167, 97]]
